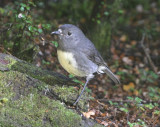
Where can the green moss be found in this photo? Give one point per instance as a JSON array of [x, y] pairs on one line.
[[12, 61], [70, 94], [5, 89], [23, 98], [37, 111], [25, 106], [35, 72], [65, 92]]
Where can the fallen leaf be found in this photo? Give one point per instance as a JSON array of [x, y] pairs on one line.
[[89, 113], [104, 123], [133, 42], [127, 60], [136, 92], [123, 38], [129, 86]]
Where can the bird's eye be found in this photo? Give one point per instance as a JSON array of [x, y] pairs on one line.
[[69, 33]]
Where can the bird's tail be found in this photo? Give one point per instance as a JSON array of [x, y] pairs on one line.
[[111, 75]]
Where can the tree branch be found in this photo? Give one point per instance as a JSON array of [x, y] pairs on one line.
[[147, 55]]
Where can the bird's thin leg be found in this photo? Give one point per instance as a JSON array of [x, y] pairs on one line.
[[87, 80]]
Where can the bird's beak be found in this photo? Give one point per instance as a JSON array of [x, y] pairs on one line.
[[56, 32]]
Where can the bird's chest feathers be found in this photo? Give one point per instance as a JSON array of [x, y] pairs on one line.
[[68, 62]]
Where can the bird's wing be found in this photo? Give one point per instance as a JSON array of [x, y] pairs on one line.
[[91, 52]]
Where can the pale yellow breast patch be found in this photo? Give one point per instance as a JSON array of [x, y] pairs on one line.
[[69, 63]]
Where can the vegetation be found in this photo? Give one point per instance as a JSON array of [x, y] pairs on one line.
[[125, 32]]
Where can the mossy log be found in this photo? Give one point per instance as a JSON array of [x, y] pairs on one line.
[[32, 97]]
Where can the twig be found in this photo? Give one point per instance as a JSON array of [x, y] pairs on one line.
[[113, 100], [125, 101], [147, 55]]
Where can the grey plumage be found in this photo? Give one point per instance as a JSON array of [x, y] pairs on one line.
[[85, 60]]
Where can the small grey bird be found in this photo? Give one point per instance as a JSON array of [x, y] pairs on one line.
[[78, 55]]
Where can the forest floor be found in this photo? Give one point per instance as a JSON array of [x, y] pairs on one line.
[[134, 57], [136, 101]]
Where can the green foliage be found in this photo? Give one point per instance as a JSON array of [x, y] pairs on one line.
[[148, 76], [154, 93], [132, 124], [55, 43], [45, 62], [3, 100], [126, 75], [124, 108], [140, 107], [138, 100], [21, 28], [150, 106], [156, 112], [109, 15], [24, 20], [113, 103], [139, 122]]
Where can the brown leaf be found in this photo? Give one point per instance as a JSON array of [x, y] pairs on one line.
[[133, 42], [127, 60], [136, 92], [104, 123], [128, 87], [123, 38], [89, 113]]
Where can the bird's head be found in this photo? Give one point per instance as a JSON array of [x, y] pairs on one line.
[[69, 36]]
